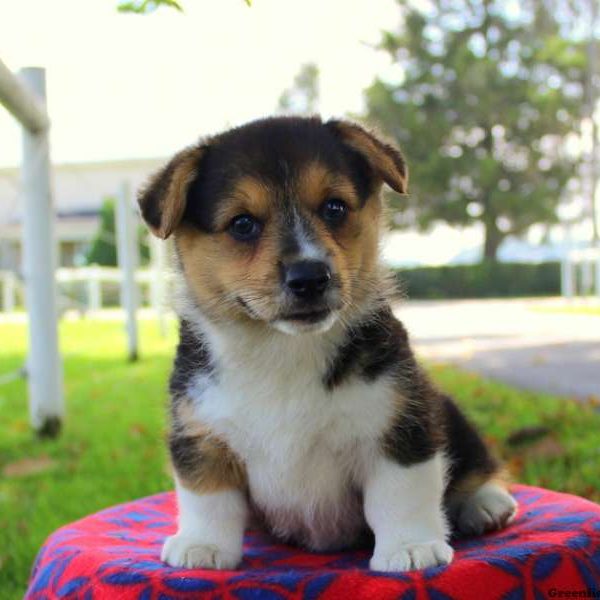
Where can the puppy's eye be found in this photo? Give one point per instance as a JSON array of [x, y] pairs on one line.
[[245, 228], [334, 211]]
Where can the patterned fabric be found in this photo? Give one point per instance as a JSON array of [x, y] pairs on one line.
[[553, 546]]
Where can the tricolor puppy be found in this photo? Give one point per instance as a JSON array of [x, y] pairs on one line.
[[295, 395]]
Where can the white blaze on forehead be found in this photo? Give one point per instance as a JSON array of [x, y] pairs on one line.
[[308, 248]]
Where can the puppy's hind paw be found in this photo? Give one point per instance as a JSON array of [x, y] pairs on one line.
[[491, 507], [188, 553], [409, 557]]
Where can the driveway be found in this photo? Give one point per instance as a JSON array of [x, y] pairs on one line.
[[511, 341]]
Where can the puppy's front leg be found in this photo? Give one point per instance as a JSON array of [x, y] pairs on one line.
[[210, 532], [403, 507], [212, 505]]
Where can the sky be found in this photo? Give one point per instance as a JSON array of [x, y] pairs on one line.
[[129, 86]]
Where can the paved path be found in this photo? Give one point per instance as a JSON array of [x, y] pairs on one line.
[[508, 340]]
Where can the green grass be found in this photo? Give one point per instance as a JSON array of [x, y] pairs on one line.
[[112, 450]]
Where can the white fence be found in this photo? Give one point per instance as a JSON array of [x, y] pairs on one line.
[[580, 273], [89, 289], [97, 287]]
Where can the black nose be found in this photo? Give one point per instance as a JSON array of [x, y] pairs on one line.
[[307, 279]]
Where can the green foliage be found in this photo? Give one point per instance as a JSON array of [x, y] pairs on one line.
[[488, 279], [112, 450], [103, 250], [147, 6], [488, 94], [303, 96], [144, 7]]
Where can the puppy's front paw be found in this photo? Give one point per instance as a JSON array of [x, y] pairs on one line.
[[408, 557], [182, 551]]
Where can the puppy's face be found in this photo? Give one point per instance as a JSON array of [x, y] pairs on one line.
[[277, 221]]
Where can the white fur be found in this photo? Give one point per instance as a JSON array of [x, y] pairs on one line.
[[294, 328], [308, 451], [403, 506], [308, 249], [210, 532]]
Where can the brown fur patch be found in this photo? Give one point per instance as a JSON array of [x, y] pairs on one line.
[[472, 482], [316, 183], [221, 272], [203, 462], [384, 158], [163, 200], [250, 195]]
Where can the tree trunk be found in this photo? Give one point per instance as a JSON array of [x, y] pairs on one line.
[[493, 239]]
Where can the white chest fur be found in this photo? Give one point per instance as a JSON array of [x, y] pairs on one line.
[[305, 448]]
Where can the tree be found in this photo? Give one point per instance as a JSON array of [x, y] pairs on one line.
[[103, 250], [303, 96], [490, 93]]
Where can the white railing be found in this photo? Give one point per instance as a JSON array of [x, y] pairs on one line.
[[580, 272], [96, 281], [94, 277]]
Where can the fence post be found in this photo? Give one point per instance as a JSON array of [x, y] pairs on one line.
[[9, 292], [158, 252], [44, 368], [127, 250], [597, 274], [587, 274], [94, 290], [566, 277]]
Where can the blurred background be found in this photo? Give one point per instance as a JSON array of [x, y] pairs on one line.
[[496, 105]]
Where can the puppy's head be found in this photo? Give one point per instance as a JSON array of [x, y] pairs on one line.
[[277, 221]]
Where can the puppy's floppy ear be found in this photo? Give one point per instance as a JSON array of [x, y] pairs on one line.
[[162, 201], [386, 161]]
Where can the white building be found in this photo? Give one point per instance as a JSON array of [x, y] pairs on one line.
[[79, 190]]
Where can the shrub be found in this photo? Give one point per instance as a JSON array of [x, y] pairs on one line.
[[103, 249], [483, 280]]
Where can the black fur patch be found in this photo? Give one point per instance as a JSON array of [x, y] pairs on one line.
[[275, 150], [415, 434], [184, 455], [192, 358], [466, 450], [377, 346]]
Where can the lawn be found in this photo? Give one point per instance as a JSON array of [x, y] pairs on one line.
[[112, 450]]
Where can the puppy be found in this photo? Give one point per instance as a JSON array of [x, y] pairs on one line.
[[295, 396]]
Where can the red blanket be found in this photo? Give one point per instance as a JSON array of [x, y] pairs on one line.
[[552, 548]]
